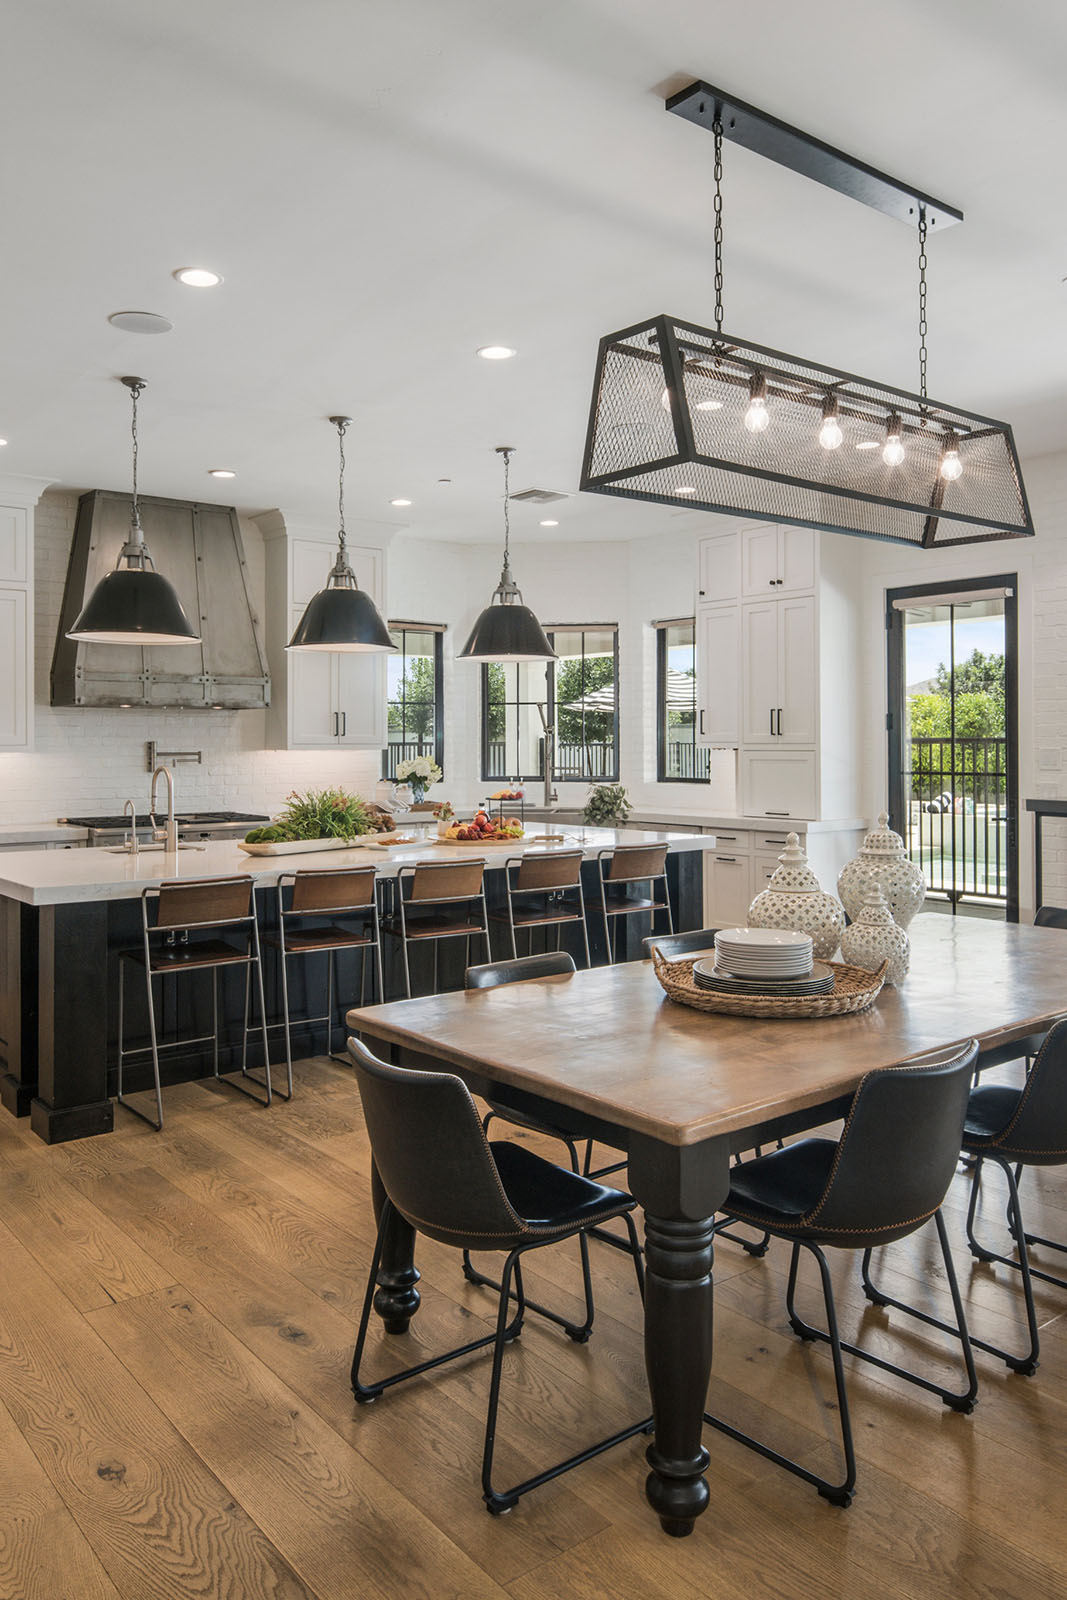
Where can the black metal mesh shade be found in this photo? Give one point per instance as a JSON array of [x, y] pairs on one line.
[[133, 606], [668, 425]]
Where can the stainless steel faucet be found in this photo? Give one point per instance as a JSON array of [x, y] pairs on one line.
[[168, 835], [551, 797], [130, 810]]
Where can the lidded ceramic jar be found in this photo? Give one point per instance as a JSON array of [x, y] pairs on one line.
[[884, 861], [873, 937], [794, 899]]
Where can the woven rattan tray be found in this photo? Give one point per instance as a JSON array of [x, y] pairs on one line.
[[854, 990]]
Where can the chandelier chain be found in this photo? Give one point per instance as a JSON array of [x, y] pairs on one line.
[[507, 508], [341, 426], [922, 301], [717, 170], [135, 390]]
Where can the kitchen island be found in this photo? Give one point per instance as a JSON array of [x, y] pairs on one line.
[[66, 914]]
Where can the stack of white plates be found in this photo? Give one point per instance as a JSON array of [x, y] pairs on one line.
[[776, 953], [707, 975]]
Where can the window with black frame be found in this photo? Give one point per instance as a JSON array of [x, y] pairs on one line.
[[415, 696], [580, 690], [679, 758]]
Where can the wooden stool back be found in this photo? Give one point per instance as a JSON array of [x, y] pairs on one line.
[[212, 900], [447, 880], [324, 890], [630, 861], [562, 871]]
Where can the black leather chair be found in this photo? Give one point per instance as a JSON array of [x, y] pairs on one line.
[[446, 1180], [882, 1180], [673, 945], [1016, 1128]]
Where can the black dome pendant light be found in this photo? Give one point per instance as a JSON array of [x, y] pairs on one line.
[[342, 616], [507, 630], [134, 604]]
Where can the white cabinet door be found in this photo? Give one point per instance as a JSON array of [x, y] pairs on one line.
[[796, 559], [717, 677], [797, 670], [779, 783], [727, 890], [760, 697], [718, 569], [361, 700], [314, 720], [14, 681], [759, 561], [14, 544]]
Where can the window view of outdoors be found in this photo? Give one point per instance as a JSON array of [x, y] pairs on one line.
[[583, 688], [955, 747], [681, 758], [412, 699]]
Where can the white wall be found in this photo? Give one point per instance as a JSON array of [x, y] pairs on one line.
[[90, 761]]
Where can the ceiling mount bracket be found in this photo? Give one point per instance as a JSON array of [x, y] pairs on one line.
[[801, 152]]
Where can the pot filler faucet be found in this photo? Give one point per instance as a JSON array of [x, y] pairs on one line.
[[551, 797], [168, 836]]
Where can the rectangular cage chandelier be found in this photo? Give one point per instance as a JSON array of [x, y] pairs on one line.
[[688, 415], [668, 425]]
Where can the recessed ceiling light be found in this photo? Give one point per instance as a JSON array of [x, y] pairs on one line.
[[197, 277], [400, 502], [2, 443], [686, 488], [550, 522], [496, 352], [220, 472], [867, 444], [140, 322]]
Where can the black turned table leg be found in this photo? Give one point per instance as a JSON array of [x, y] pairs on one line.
[[397, 1299], [680, 1190]]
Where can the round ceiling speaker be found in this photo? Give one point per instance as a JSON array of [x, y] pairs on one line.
[[140, 322]]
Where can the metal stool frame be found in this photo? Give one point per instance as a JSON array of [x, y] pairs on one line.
[[630, 863], [560, 872], [190, 893], [431, 871]]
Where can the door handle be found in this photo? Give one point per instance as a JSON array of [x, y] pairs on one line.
[[731, 859]]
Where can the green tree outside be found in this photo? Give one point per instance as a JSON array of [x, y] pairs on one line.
[[966, 770]]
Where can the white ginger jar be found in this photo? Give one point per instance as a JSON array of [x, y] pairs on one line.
[[873, 937], [794, 899], [884, 861]]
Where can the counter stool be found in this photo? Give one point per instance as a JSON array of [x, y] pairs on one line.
[[440, 1174], [421, 890], [324, 893], [627, 864], [885, 1177], [220, 904], [546, 878]]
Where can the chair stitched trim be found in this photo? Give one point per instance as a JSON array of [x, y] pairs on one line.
[[805, 1222], [524, 1227], [993, 1141]]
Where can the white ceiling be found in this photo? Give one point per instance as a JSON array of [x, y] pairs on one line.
[[388, 186]]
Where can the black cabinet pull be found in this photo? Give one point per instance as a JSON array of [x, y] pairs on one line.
[[344, 724], [702, 719], [772, 722], [779, 722], [336, 725], [731, 859]]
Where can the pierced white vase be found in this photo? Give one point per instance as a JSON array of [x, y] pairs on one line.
[[873, 937], [794, 899], [884, 861]]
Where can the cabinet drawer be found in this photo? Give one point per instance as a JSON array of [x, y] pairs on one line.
[[779, 783]]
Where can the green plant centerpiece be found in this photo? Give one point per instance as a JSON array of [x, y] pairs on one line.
[[319, 814], [608, 806]]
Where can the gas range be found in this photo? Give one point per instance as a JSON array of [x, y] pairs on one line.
[[191, 825]]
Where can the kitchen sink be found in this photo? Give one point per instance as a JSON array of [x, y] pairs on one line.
[[143, 849]]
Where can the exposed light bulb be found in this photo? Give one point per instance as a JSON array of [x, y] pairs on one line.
[[757, 417], [893, 452], [830, 435], [951, 465]]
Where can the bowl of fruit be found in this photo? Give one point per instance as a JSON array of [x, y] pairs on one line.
[[507, 794], [484, 829]]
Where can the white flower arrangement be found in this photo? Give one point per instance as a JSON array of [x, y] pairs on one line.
[[418, 769]]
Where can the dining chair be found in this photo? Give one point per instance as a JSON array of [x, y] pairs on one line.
[[438, 900], [441, 1174], [213, 905], [618, 870], [673, 945], [882, 1180], [543, 891], [1014, 1129], [346, 897]]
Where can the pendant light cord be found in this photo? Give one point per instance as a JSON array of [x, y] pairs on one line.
[[341, 426], [922, 303], [717, 171]]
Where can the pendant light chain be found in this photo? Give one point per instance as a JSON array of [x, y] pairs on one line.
[[717, 171], [922, 303], [341, 426], [507, 508], [135, 389]]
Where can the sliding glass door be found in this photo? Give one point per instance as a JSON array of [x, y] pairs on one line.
[[952, 738]]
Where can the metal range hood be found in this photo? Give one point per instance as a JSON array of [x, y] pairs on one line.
[[199, 549]]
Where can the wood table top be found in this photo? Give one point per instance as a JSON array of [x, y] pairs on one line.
[[610, 1044]]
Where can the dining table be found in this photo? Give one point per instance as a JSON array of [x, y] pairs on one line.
[[605, 1054]]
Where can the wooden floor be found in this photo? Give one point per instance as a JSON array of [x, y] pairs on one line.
[[177, 1314]]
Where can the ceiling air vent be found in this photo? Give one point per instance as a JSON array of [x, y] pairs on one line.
[[538, 497]]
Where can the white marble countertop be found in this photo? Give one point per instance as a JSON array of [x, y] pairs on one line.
[[14, 833], [66, 877]]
